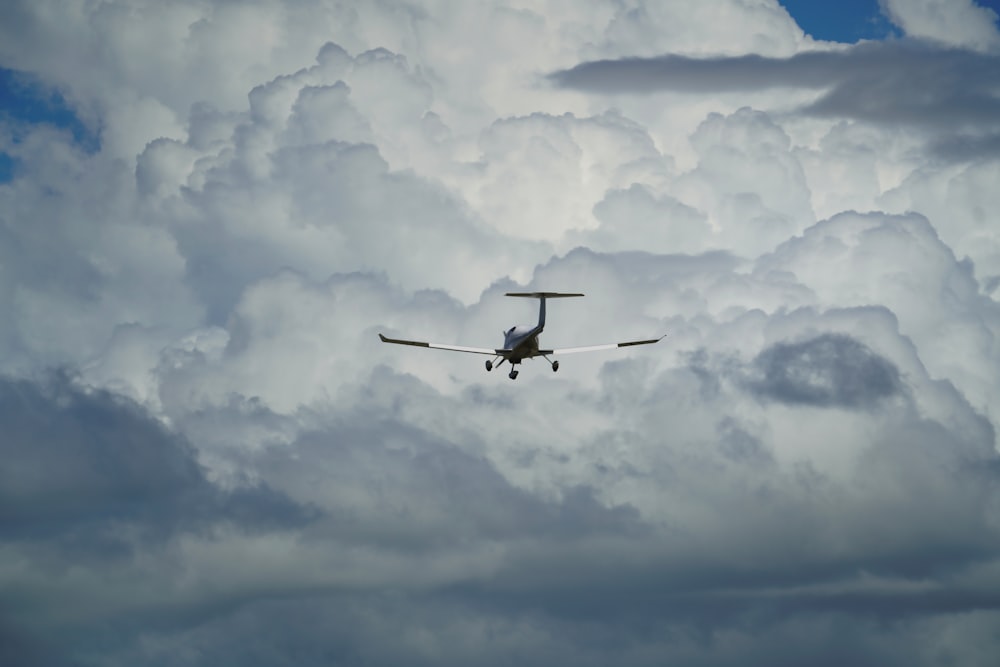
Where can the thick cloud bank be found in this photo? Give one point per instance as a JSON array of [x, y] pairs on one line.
[[209, 458]]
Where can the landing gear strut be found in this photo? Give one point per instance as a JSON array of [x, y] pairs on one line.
[[555, 364]]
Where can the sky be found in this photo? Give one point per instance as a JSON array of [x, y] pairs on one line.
[[848, 21], [209, 210]]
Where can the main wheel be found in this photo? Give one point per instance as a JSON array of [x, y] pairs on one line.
[[489, 365], [555, 366]]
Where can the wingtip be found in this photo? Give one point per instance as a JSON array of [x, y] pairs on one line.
[[382, 338]]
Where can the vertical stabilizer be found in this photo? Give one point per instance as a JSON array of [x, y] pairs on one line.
[[542, 296]]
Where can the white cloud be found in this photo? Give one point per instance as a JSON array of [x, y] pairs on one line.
[[861, 260], [962, 23], [749, 180], [541, 175], [227, 448], [957, 199]]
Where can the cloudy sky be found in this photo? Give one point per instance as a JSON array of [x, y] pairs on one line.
[[209, 209]]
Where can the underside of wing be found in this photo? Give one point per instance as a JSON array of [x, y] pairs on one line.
[[605, 346], [441, 346]]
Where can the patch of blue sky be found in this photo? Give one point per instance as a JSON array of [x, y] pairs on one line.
[[847, 21], [991, 4], [26, 101], [6, 167]]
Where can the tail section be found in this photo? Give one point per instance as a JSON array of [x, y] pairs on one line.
[[542, 296]]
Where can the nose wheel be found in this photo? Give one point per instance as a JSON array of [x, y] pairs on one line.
[[512, 375]]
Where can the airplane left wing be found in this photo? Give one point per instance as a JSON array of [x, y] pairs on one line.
[[606, 346], [441, 346]]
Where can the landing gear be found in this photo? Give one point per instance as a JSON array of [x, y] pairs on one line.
[[512, 375], [489, 365], [554, 364]]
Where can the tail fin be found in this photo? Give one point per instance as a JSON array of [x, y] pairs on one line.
[[542, 296]]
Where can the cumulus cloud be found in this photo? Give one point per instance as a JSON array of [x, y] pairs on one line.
[[963, 23], [210, 457], [849, 263]]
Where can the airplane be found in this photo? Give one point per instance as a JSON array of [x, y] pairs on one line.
[[521, 342]]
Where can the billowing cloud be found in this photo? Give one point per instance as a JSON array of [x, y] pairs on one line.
[[963, 23], [209, 457]]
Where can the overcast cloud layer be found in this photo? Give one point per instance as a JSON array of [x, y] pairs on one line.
[[208, 458]]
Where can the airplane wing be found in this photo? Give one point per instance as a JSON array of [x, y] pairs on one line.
[[440, 346], [606, 346]]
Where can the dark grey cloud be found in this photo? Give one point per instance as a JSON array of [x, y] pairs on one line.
[[432, 492], [90, 481], [397, 628], [830, 370], [77, 465], [967, 148], [901, 81], [740, 445], [701, 75], [806, 531], [578, 581]]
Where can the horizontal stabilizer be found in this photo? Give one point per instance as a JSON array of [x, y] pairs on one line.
[[544, 295]]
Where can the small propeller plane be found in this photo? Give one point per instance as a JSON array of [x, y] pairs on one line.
[[521, 342]]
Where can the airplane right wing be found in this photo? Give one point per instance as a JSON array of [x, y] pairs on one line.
[[606, 346], [440, 346]]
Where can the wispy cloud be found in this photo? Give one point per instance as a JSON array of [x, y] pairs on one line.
[[904, 81]]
